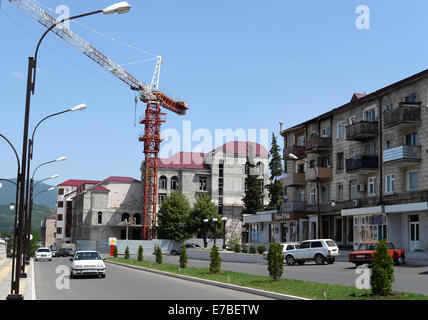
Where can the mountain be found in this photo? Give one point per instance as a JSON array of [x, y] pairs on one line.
[[7, 220], [47, 199]]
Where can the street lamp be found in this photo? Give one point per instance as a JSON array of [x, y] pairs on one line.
[[205, 232], [120, 7], [224, 219], [294, 157], [215, 229]]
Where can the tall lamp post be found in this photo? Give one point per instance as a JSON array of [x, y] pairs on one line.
[[224, 219], [317, 179], [205, 232], [121, 7], [215, 229]]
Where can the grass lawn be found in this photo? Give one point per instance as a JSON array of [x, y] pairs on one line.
[[306, 289]]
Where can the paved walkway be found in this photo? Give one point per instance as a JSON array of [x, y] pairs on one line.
[[25, 285]]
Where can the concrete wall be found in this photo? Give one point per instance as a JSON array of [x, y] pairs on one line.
[[3, 249]]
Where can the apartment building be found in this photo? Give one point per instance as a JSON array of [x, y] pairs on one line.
[[97, 210], [359, 171], [219, 173], [48, 231]]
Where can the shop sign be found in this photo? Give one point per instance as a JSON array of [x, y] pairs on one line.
[[377, 220], [281, 216]]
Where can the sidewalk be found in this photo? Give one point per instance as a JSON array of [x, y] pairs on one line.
[[25, 285]]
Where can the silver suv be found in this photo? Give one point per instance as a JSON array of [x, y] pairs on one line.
[[318, 250]]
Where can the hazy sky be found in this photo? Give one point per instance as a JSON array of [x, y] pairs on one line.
[[239, 65]]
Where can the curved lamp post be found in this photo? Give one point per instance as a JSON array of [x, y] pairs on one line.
[[121, 7], [294, 157]]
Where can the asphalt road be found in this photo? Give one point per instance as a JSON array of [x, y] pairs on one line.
[[409, 278], [123, 283]]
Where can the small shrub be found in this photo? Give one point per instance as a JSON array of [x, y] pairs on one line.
[[275, 258], [261, 248], [245, 248], [383, 270], [158, 255], [183, 257], [115, 251], [253, 249], [237, 247], [127, 253], [215, 258], [140, 253]]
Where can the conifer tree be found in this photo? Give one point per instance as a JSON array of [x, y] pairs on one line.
[[276, 189]]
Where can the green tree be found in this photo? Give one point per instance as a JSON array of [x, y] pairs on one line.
[[183, 257], [275, 258], [203, 209], [261, 248], [383, 270], [115, 251], [172, 218], [253, 249], [253, 198], [158, 255], [35, 242], [275, 189], [127, 253], [140, 253], [215, 260]]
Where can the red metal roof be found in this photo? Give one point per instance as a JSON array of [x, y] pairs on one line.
[[100, 188], [121, 179], [184, 160], [76, 183], [241, 148]]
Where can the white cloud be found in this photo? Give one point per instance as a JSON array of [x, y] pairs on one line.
[[17, 75]]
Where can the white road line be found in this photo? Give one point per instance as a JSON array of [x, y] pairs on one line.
[[33, 283]]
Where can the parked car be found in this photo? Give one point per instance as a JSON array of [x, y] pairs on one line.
[[187, 246], [318, 250], [43, 254], [54, 252], [87, 263], [65, 252], [286, 247], [366, 251]]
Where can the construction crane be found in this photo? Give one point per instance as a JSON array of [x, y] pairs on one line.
[[151, 95]]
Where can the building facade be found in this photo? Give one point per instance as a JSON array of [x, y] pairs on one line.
[[219, 173], [48, 232]]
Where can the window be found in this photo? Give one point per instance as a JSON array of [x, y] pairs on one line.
[[370, 149], [340, 192], [137, 218], [302, 194], [353, 186], [261, 184], [390, 183], [410, 98], [174, 183], [352, 120], [163, 182], [100, 217], [340, 161], [203, 183], [125, 216], [304, 245], [389, 144], [388, 107], [316, 244], [411, 139], [59, 230], [340, 131], [313, 196], [59, 217], [301, 141], [325, 192], [324, 162], [221, 168], [60, 204], [312, 164], [247, 169], [326, 132], [413, 180], [161, 198], [371, 190], [60, 192], [369, 115]]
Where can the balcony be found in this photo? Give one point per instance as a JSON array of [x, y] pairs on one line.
[[407, 114], [318, 144], [362, 131], [402, 156], [298, 151], [323, 174], [363, 164], [294, 179], [293, 206]]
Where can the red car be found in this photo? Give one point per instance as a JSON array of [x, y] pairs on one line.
[[368, 249]]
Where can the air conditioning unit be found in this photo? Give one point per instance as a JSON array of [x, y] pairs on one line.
[[362, 187], [356, 203]]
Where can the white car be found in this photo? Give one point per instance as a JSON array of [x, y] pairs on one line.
[[87, 263], [43, 254], [318, 250], [286, 246]]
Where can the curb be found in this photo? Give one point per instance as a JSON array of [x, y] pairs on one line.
[[259, 292]]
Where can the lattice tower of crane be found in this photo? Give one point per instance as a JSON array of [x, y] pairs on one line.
[[154, 98]]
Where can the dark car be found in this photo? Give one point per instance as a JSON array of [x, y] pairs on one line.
[[187, 246], [65, 252]]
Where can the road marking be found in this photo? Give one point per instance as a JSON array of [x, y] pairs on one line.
[[33, 286]]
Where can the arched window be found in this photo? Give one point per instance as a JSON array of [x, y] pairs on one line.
[[100, 217], [137, 218], [163, 183], [174, 183], [125, 216]]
